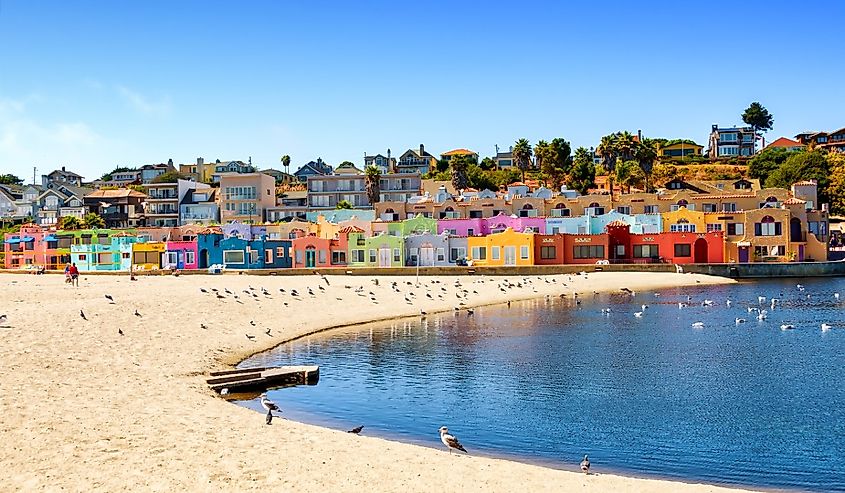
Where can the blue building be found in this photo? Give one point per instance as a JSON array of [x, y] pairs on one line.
[[259, 253]]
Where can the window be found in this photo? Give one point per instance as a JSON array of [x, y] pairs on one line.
[[767, 227], [479, 253], [441, 254], [524, 252], [548, 252], [476, 214], [372, 256], [470, 232], [588, 251], [145, 258], [239, 193], [736, 229], [651, 209], [126, 255], [338, 257], [268, 256], [412, 254], [770, 251], [728, 137], [682, 226], [397, 255], [299, 256], [105, 258], [358, 256], [708, 207], [560, 211], [190, 257], [620, 251], [280, 252], [322, 256], [233, 257], [646, 251], [714, 227], [253, 256], [457, 253], [496, 253], [729, 207], [624, 209], [683, 250]]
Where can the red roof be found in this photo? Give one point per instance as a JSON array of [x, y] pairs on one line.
[[351, 229], [785, 142], [616, 223]]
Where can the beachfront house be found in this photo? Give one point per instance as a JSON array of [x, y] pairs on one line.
[[416, 161], [100, 250], [675, 247], [427, 249], [258, 253], [180, 255], [148, 255], [313, 251], [382, 250], [504, 248]]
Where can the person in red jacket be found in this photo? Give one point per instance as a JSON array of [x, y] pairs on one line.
[[74, 275]]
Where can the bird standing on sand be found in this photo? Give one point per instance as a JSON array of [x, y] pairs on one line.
[[450, 441], [109, 297], [137, 314], [120, 331], [250, 337], [269, 419], [3, 319], [270, 406], [356, 430], [82, 314], [585, 465]]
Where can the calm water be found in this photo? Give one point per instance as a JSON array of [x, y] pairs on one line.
[[547, 381]]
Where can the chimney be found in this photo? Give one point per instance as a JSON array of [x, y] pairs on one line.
[[639, 135], [170, 162], [63, 168], [200, 161], [422, 150], [510, 149]]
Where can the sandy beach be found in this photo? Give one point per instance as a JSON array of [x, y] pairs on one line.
[[83, 408]]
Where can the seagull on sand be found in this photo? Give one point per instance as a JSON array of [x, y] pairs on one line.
[[356, 430], [585, 465], [450, 441], [251, 338], [82, 314], [108, 297], [3, 319], [268, 332], [268, 405], [120, 331], [137, 314]]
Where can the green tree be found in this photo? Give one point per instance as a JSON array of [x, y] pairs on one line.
[[582, 175], [608, 152], [285, 160], [69, 223], [836, 183], [556, 161], [373, 181], [10, 179], [767, 161], [169, 177], [442, 165], [759, 118], [628, 173], [625, 145], [522, 155], [799, 167], [343, 204], [645, 153], [119, 169], [92, 220], [663, 173], [487, 164], [459, 169]]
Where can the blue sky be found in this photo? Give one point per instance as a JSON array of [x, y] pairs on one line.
[[94, 85]]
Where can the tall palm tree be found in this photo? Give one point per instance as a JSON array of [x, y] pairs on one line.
[[625, 145], [373, 178], [608, 151], [286, 162], [645, 153], [522, 155]]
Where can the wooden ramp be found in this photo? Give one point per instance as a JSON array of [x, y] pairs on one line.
[[252, 379]]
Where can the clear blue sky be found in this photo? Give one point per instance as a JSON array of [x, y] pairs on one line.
[[93, 85]]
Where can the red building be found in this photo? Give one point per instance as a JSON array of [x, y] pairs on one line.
[[666, 247], [560, 249]]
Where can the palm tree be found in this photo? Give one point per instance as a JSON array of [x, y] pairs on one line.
[[373, 178], [608, 151], [459, 167], [541, 150], [286, 162], [625, 145], [645, 153], [522, 155]]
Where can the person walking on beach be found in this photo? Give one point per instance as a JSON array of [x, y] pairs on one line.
[[67, 273], [74, 275]]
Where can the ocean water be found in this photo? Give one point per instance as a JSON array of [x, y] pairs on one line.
[[548, 381]]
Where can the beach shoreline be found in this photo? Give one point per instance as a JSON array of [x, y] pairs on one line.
[[133, 411]]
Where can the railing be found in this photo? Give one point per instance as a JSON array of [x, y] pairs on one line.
[[648, 260]]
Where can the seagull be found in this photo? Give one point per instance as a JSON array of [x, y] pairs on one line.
[[826, 327], [682, 305], [585, 465], [203, 290], [252, 322], [728, 303], [203, 326], [707, 303], [470, 311], [638, 314], [698, 325], [739, 320], [605, 311], [450, 441], [251, 338], [836, 295], [137, 314], [761, 299], [268, 332], [108, 297], [762, 315], [120, 331], [787, 327], [268, 405], [644, 307], [356, 430], [269, 419], [81, 314]]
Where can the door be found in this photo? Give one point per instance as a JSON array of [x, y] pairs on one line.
[[310, 257], [510, 255], [426, 256], [384, 257], [800, 253], [743, 254], [203, 259], [700, 251]]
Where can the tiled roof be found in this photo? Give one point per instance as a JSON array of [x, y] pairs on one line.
[[784, 142], [119, 193], [351, 229], [805, 183], [459, 152], [617, 223], [794, 201]]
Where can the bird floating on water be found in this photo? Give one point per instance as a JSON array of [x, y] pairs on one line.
[[787, 327], [826, 327], [450, 441], [638, 314], [739, 320], [698, 325]]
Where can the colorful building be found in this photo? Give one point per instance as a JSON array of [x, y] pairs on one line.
[[100, 250], [148, 256], [382, 250], [313, 251], [33, 245], [180, 255], [679, 247], [259, 253], [505, 248]]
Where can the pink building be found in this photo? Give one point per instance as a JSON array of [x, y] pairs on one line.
[[180, 255], [496, 224], [463, 227], [314, 252], [33, 245]]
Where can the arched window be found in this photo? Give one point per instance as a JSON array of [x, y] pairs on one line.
[[388, 211], [683, 203], [767, 219], [560, 210], [449, 209], [682, 226], [771, 199], [768, 227], [594, 204], [594, 209], [527, 207]]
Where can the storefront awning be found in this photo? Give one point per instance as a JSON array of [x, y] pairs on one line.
[[743, 243], [13, 240], [27, 239], [51, 238]]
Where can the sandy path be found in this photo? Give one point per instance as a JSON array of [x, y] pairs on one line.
[[83, 408]]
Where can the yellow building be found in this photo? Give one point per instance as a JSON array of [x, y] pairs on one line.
[[684, 220], [147, 256], [501, 249]]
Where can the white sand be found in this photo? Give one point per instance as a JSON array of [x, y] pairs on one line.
[[85, 409]]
